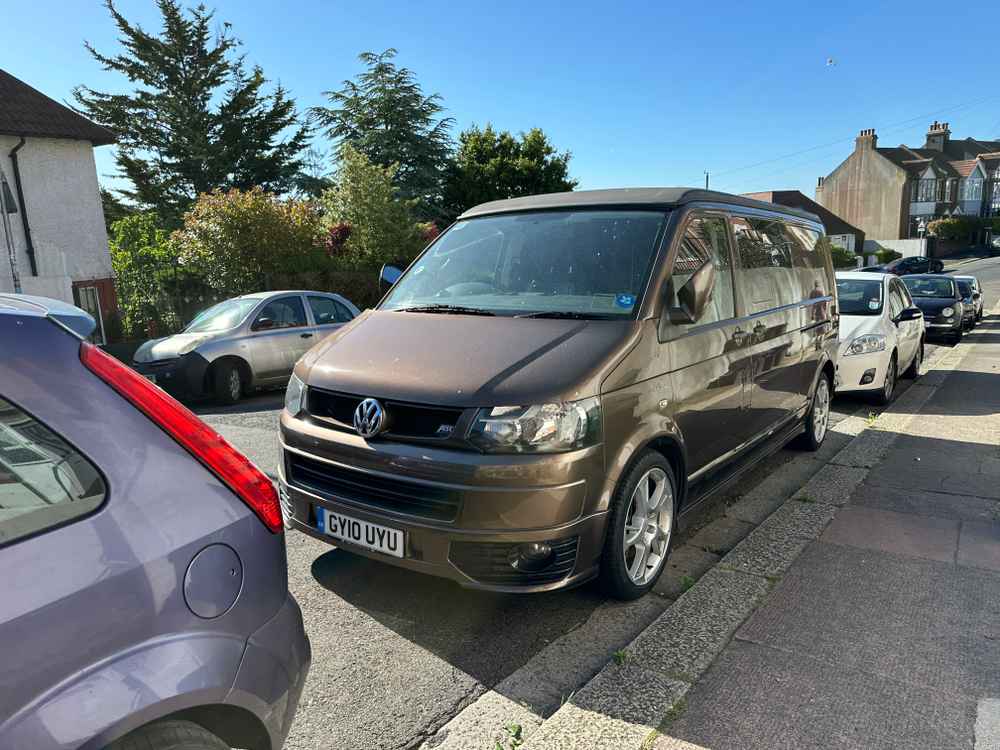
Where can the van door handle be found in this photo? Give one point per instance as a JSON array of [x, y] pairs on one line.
[[760, 329], [305, 335], [740, 337]]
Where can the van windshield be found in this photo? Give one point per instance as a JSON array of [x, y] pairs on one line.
[[578, 264]]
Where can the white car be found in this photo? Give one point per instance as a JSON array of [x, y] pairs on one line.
[[881, 334]]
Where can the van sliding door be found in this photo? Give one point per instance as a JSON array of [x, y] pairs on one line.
[[771, 295]]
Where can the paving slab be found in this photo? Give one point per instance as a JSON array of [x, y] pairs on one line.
[[899, 533], [770, 494], [979, 545], [771, 548], [682, 642], [918, 622], [833, 485], [921, 502], [721, 535], [685, 565], [760, 697]]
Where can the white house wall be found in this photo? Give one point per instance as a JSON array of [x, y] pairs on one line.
[[59, 180]]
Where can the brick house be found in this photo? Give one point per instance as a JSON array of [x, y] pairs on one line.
[[55, 221], [892, 193]]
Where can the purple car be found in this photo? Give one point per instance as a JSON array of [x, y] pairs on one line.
[[145, 590]]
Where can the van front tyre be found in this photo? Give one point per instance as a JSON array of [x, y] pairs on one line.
[[169, 735], [640, 528], [818, 418]]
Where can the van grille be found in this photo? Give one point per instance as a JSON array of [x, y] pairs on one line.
[[371, 490], [489, 563], [405, 420]]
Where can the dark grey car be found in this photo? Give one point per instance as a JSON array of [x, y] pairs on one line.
[[145, 596]]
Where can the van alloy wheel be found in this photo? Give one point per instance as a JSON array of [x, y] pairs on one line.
[[649, 526], [821, 410]]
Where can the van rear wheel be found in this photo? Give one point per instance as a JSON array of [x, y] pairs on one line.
[[169, 735], [640, 528], [818, 418]]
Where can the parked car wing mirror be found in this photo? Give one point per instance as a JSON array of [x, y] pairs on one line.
[[976, 295], [263, 324], [909, 313], [693, 297], [388, 276]]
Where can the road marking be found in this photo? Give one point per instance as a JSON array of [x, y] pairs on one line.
[[988, 724]]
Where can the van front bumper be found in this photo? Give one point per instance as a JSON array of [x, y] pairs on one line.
[[499, 504]]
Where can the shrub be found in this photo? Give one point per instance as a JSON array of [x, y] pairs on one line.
[[955, 228], [843, 258], [240, 242], [382, 228], [149, 277]]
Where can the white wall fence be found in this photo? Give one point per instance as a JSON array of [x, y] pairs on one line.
[[906, 248]]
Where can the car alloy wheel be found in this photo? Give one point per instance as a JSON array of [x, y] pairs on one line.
[[649, 526], [889, 387], [235, 384]]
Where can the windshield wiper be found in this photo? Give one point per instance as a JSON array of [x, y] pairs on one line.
[[446, 310], [568, 315]]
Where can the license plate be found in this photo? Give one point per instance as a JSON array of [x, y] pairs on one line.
[[362, 533]]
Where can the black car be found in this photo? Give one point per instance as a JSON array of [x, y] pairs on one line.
[[906, 266], [941, 302]]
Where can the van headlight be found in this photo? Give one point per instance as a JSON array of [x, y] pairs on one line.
[[543, 428], [872, 342], [295, 396], [947, 312]]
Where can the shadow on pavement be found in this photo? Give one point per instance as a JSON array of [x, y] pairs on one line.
[[487, 636]]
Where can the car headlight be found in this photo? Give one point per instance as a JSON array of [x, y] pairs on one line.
[[543, 428], [872, 342], [947, 312], [295, 396]]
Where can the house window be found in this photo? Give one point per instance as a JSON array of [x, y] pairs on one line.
[[971, 189], [926, 191], [949, 194]]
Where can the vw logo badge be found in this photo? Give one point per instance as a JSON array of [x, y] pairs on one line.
[[369, 418]]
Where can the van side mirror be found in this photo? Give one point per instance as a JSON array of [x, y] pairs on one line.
[[693, 297], [388, 276], [976, 295]]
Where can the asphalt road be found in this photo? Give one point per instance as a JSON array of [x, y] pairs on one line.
[[397, 654]]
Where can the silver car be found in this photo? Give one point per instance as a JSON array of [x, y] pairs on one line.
[[242, 344]]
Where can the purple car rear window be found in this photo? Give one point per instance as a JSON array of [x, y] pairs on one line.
[[44, 482]]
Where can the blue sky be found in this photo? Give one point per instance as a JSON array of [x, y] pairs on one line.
[[641, 93]]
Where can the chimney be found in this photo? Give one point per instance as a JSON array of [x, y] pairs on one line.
[[937, 136], [819, 182], [866, 139]]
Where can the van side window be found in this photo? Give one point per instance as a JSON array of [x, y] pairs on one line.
[[768, 279], [705, 239], [43, 481], [810, 255]]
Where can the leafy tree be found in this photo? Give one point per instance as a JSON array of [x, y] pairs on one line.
[[314, 177], [384, 114], [114, 208], [146, 267], [245, 241], [955, 228], [197, 119], [842, 257], [492, 165], [381, 228]]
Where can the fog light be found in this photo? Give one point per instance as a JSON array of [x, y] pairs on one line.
[[868, 377], [532, 556]]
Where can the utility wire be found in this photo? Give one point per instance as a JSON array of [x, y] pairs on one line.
[[887, 129]]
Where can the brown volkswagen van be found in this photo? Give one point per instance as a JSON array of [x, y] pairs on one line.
[[557, 379]]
